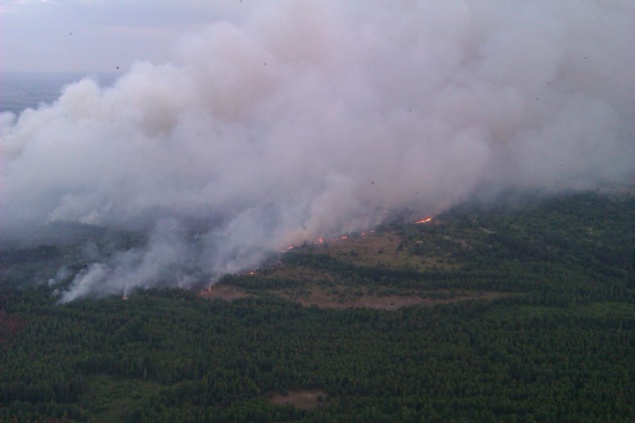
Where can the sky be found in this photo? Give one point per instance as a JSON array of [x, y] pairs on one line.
[[237, 129], [101, 35]]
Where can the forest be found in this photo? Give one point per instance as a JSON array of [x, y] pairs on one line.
[[520, 312]]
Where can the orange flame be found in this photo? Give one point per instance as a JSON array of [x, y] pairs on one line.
[[424, 220]]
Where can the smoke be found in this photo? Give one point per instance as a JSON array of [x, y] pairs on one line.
[[316, 118]]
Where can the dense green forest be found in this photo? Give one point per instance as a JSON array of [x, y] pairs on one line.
[[555, 344]]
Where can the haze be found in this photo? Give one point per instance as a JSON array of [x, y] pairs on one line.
[[292, 120]]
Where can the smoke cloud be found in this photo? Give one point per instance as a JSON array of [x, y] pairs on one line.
[[316, 118]]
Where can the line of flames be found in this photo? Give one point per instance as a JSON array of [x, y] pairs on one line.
[[341, 238]]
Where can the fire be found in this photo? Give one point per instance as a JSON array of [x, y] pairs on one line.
[[424, 220], [323, 241]]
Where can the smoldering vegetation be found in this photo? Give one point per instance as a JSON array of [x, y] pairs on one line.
[[305, 120]]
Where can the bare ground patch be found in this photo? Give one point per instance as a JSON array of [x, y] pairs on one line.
[[332, 298], [372, 249], [339, 297], [305, 400], [299, 273], [367, 250], [224, 292]]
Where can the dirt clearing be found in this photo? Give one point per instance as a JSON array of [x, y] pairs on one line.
[[305, 400]]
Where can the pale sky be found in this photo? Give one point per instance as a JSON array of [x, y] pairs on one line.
[[101, 35]]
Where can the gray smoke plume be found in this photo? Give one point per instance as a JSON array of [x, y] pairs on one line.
[[317, 118]]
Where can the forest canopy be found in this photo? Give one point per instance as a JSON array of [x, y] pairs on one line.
[[549, 338]]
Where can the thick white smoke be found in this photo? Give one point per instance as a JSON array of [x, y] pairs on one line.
[[313, 118]]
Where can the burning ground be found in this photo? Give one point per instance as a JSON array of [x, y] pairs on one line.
[[465, 254], [358, 270]]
